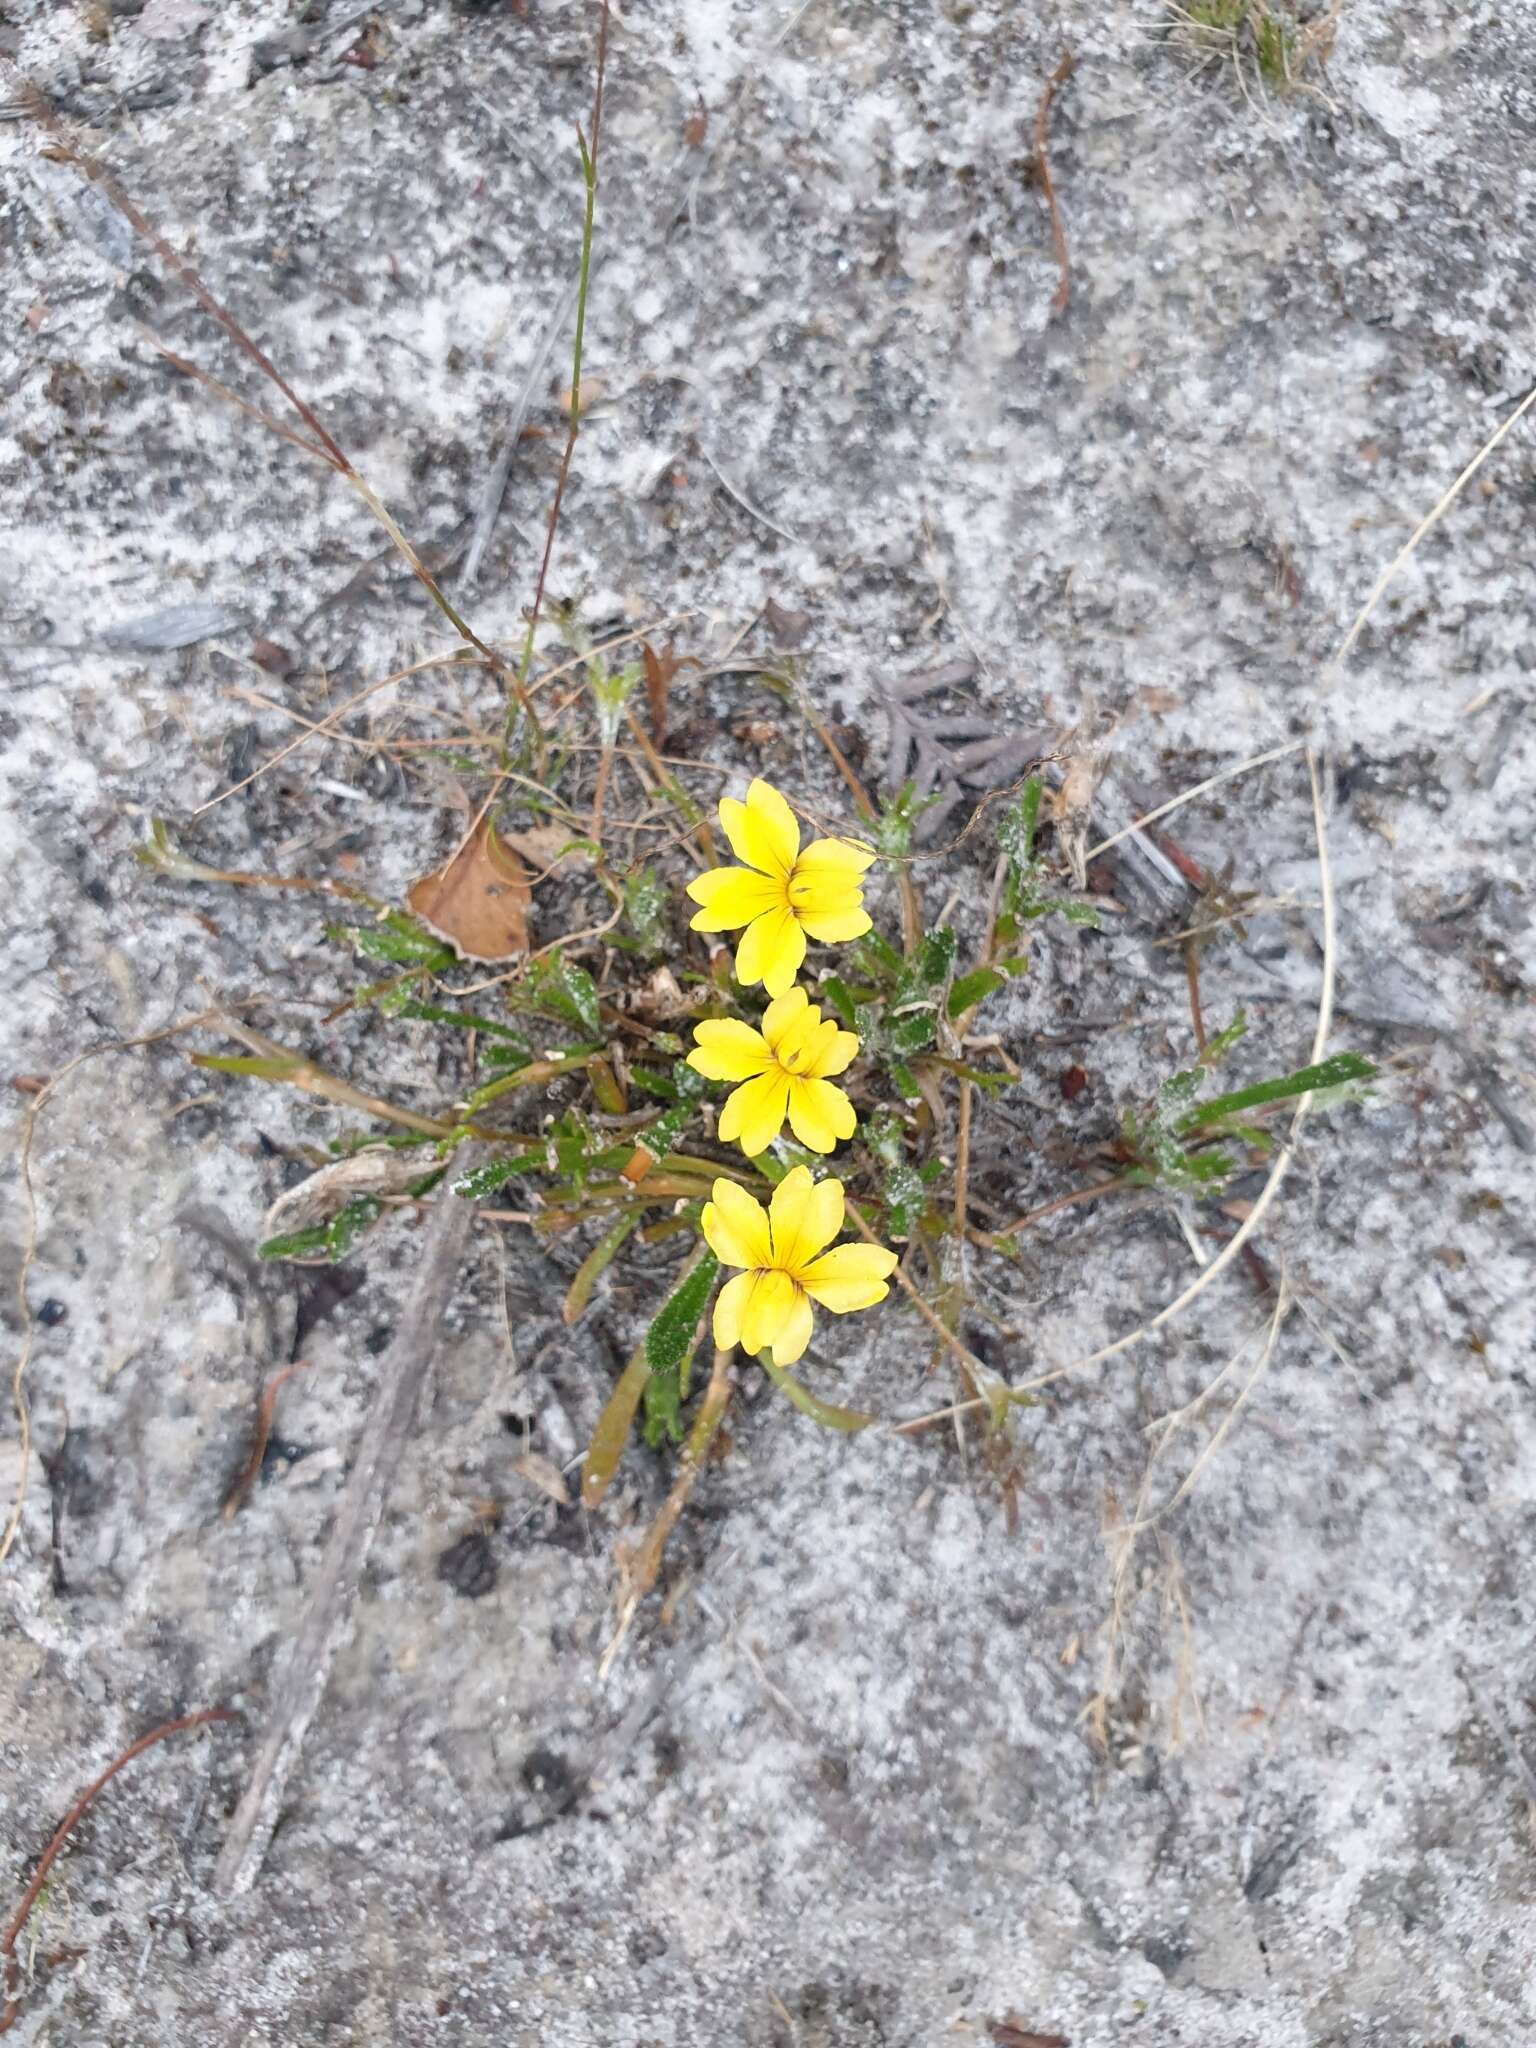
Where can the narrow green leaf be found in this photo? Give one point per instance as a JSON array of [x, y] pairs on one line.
[[847, 1421], [1217, 1048], [406, 1005], [481, 1181], [649, 1082], [1329, 1073], [398, 941], [596, 1263], [330, 1240], [613, 1428], [915, 1032], [670, 1343], [973, 988], [878, 957], [840, 996]]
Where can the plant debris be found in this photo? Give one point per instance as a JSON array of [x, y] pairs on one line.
[[479, 901], [944, 754]]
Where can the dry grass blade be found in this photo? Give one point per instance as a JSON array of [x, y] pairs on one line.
[[66, 1828], [1425, 527], [1198, 789], [325, 728], [1053, 85], [261, 1435]]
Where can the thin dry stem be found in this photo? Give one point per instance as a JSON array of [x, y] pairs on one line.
[[1267, 1195]]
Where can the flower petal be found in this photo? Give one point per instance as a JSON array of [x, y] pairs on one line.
[[754, 1114], [796, 1049], [762, 831], [820, 1115], [846, 859], [803, 1215], [849, 1276], [771, 951], [796, 1334], [730, 1305], [736, 1228], [833, 927], [841, 1050], [768, 1310], [766, 803], [727, 1050], [782, 1015], [732, 896]]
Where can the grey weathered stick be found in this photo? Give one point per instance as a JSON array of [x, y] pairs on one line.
[[302, 1686]]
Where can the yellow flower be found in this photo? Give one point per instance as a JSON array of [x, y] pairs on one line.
[[783, 1070], [782, 895], [783, 1249]]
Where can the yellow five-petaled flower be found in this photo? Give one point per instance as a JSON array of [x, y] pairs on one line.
[[783, 1071], [783, 894], [783, 1250]]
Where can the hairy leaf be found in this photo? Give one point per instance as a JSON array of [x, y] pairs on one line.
[[669, 1346]]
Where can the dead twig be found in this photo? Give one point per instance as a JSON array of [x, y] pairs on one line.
[[62, 1833], [1053, 85], [299, 1691]]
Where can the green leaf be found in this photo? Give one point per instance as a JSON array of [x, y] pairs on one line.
[[898, 818], [568, 991], [1074, 913], [840, 996], [934, 962], [397, 940], [331, 1240], [259, 1066], [847, 1421], [404, 1004], [481, 1181], [906, 1081], [613, 1427], [878, 958], [669, 1347], [1330, 1073], [1217, 1048], [649, 1082], [645, 907], [973, 988], [915, 1032], [596, 1263], [659, 1138], [690, 1084]]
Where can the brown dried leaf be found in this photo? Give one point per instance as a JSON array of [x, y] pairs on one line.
[[544, 847], [661, 996], [788, 627], [479, 902], [317, 1199], [1013, 2033], [659, 671], [545, 1475], [273, 657]]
